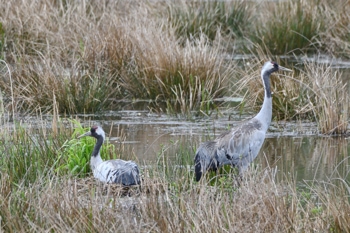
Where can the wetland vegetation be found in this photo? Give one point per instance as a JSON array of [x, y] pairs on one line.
[[62, 58]]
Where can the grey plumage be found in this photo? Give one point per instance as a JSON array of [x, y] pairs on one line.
[[239, 146]]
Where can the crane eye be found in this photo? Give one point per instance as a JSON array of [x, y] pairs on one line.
[[275, 65]]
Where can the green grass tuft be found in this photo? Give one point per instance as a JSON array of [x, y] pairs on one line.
[[76, 153]]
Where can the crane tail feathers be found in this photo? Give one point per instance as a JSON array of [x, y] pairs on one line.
[[198, 170], [203, 163]]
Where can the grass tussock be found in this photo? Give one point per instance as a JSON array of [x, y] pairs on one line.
[[186, 78], [85, 56], [191, 19], [290, 26], [329, 97]]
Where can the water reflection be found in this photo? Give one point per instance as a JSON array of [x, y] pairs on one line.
[[305, 157]]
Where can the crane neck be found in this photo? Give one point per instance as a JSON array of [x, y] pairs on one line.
[[96, 157], [98, 145], [265, 113], [266, 82]]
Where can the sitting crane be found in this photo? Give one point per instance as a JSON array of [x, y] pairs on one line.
[[111, 171]]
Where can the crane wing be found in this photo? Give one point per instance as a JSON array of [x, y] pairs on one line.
[[242, 144], [237, 147], [118, 171]]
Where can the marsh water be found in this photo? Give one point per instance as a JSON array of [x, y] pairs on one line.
[[294, 149]]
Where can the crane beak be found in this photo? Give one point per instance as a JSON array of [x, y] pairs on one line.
[[284, 68], [85, 134]]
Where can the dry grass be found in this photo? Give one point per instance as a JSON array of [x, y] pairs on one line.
[[185, 77], [84, 55], [46, 48], [336, 37], [259, 205], [302, 27], [290, 26], [329, 98], [231, 19], [35, 197]]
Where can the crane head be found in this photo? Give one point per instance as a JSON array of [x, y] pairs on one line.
[[271, 66], [95, 131]]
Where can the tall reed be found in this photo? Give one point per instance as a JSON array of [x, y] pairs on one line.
[[329, 96]]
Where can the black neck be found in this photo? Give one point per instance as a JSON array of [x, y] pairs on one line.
[[97, 146], [266, 81]]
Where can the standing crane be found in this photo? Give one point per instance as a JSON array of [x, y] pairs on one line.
[[239, 146], [111, 171]]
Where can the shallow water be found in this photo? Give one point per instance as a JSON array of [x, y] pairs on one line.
[[293, 148]]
